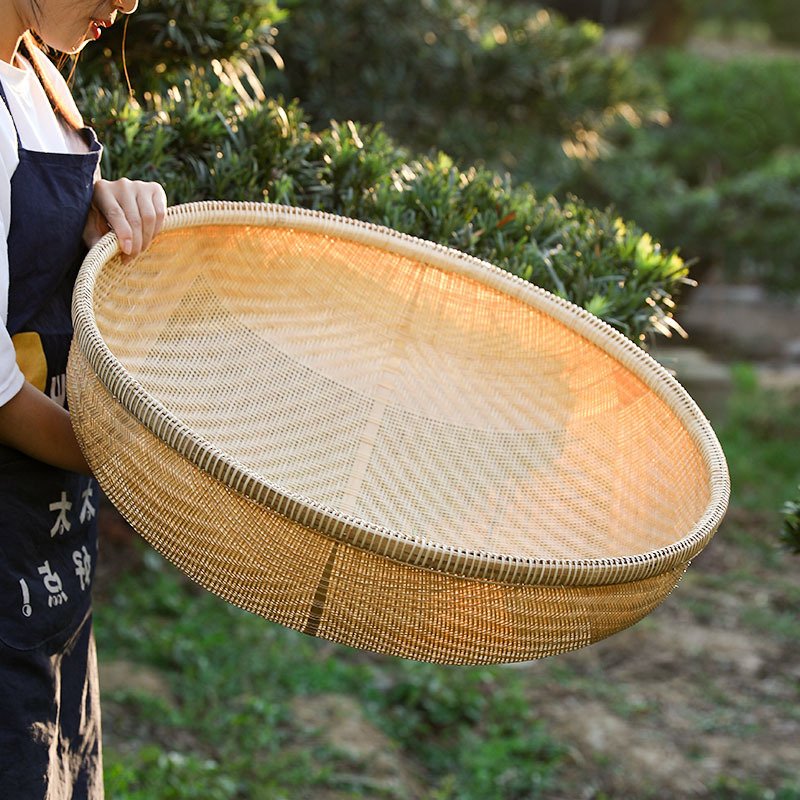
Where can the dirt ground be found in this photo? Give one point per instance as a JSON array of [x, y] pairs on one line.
[[696, 696]]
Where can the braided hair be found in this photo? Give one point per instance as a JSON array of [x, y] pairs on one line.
[[31, 49]]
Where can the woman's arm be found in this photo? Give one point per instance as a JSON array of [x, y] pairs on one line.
[[30, 421], [35, 425]]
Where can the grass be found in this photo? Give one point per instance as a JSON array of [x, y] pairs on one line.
[[228, 730], [226, 727], [732, 789]]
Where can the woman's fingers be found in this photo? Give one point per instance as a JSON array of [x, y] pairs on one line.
[[152, 207], [110, 199], [135, 210]]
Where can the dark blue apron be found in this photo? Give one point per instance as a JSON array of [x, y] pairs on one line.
[[49, 723]]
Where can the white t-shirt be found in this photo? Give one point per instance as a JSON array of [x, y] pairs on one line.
[[39, 129]]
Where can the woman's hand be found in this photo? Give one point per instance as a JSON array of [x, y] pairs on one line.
[[134, 210]]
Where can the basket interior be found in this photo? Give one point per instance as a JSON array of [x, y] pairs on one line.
[[413, 398]]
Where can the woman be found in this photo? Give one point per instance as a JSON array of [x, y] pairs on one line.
[[53, 204]]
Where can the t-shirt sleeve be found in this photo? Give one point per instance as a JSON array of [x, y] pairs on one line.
[[11, 378]]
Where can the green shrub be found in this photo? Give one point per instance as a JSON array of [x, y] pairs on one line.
[[727, 117], [721, 179], [758, 235], [204, 140], [203, 127], [164, 38], [745, 223], [728, 10], [515, 88], [724, 118], [715, 177], [478, 79]]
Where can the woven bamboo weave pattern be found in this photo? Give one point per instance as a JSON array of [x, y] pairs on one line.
[[383, 442]]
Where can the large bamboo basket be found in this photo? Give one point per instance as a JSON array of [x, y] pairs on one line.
[[384, 442]]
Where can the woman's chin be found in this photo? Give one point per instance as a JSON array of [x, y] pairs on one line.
[[68, 48], [76, 48]]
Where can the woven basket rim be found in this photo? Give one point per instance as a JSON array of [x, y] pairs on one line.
[[412, 550]]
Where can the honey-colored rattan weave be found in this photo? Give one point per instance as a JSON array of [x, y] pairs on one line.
[[384, 442]]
